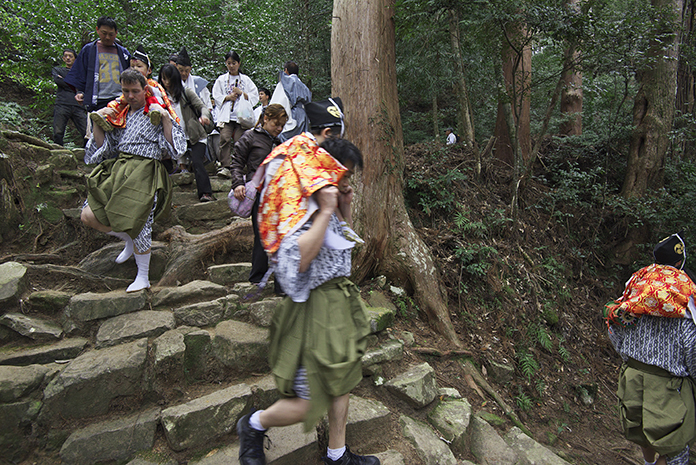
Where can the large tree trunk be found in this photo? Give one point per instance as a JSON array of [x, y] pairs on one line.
[[571, 97], [685, 77], [363, 51], [466, 125], [653, 107], [517, 72]]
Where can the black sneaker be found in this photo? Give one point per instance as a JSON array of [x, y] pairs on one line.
[[250, 443], [350, 458]]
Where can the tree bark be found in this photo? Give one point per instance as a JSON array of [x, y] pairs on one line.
[[466, 125], [571, 97], [685, 77], [363, 51], [653, 107], [517, 73]]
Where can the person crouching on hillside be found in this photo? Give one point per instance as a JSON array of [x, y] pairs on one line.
[[130, 188], [652, 328]]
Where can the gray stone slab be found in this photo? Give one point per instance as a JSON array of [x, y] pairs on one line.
[[487, 445], [389, 351], [182, 179], [530, 451], [221, 185], [230, 273], [49, 301], [418, 385], [169, 348], [89, 383], [198, 347], [428, 445], [265, 392], [261, 313], [451, 419], [190, 292], [201, 314], [368, 422], [32, 327], [390, 457], [65, 349], [206, 211], [149, 461], [378, 298], [381, 318], [18, 382], [184, 198], [241, 346], [116, 439], [290, 445], [449, 392], [197, 422], [228, 455], [13, 281], [124, 328], [14, 442], [95, 306]]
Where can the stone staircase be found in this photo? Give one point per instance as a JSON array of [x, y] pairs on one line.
[[90, 374]]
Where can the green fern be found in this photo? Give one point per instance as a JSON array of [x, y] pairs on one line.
[[541, 336], [564, 353], [523, 401], [528, 365], [540, 387]]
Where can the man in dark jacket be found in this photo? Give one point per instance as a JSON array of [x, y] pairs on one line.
[[103, 58], [66, 107]]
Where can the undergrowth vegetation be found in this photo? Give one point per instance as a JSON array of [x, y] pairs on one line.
[[527, 280]]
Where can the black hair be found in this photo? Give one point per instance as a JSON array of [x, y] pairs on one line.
[[265, 91], [71, 51], [173, 57], [176, 89], [108, 22], [234, 55], [292, 67], [335, 130], [131, 76], [344, 151]]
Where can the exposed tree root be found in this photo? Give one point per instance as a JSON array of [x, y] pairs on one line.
[[188, 251]]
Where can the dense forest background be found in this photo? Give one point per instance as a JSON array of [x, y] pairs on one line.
[[598, 92]]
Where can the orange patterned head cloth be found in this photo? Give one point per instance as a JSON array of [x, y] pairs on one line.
[[305, 169], [656, 290]]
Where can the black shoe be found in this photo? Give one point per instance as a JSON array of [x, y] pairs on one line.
[[350, 458], [250, 443]]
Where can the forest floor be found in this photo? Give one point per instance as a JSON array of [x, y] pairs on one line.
[[539, 279]]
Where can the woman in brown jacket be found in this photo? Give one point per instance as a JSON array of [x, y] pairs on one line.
[[249, 151]]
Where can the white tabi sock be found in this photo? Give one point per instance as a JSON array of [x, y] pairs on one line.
[[335, 454], [255, 421], [142, 279], [127, 250]]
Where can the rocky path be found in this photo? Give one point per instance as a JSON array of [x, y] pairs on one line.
[[90, 374]]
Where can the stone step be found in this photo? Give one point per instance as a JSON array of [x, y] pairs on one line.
[[428, 445], [65, 349], [88, 384], [101, 262], [137, 325], [117, 439], [195, 291], [206, 418], [35, 328], [417, 386], [368, 423]]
